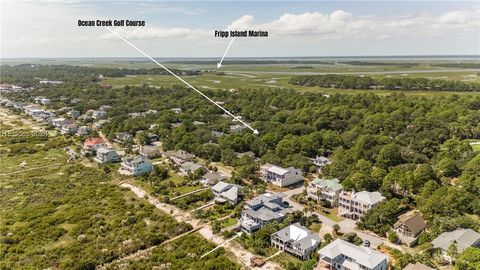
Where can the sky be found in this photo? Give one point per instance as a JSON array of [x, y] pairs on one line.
[[49, 28]]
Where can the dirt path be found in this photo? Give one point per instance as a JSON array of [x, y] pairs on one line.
[[242, 256], [144, 252], [30, 169]]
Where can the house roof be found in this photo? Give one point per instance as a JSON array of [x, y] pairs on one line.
[[211, 177], [369, 197], [413, 221], [180, 154], [462, 238], [266, 197], [361, 255], [191, 166], [417, 266], [93, 141], [221, 186], [232, 193], [105, 150], [298, 235], [332, 184]]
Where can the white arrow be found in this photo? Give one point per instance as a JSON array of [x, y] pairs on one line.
[[219, 64], [222, 244], [182, 80]]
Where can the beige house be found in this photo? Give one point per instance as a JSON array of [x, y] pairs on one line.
[[408, 227]]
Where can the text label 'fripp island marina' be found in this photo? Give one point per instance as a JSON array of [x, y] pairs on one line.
[[245, 33]]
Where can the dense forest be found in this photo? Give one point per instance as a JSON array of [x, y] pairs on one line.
[[414, 150], [365, 82], [27, 75]]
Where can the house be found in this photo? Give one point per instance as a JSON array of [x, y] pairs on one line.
[[42, 100], [417, 266], [83, 131], [340, 255], [149, 151], [354, 205], [123, 137], [226, 192], [73, 113], [262, 210], [461, 238], [151, 138], [295, 240], [245, 154], [217, 134], [69, 128], [198, 123], [176, 110], [106, 155], [93, 144], [99, 114], [408, 227], [325, 189], [237, 128], [211, 178], [190, 167], [135, 166], [279, 176], [98, 125], [321, 161], [105, 107], [179, 156]]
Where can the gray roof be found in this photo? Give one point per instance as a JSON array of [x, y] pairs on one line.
[[417, 266], [180, 154], [232, 193], [221, 186], [191, 166], [105, 150], [264, 214], [361, 255], [298, 235], [462, 238], [266, 197], [213, 177]]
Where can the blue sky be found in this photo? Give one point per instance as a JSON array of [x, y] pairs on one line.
[[47, 28]]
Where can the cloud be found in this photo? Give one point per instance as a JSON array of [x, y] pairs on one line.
[[145, 8], [152, 33]]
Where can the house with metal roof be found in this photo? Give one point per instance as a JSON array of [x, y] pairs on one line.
[[211, 178], [226, 192], [179, 156], [279, 176], [263, 209], [417, 266], [461, 238], [408, 227], [295, 240], [325, 189], [341, 254], [106, 155], [190, 167]]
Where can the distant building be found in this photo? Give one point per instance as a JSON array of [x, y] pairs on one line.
[[42, 100], [176, 110], [321, 161], [98, 125], [237, 128], [417, 266], [279, 176], [99, 114], [408, 227], [84, 131], [94, 143], [179, 156], [73, 113], [226, 192], [295, 240], [149, 151], [354, 205], [123, 137], [211, 178], [70, 128], [135, 166], [340, 255], [245, 154], [262, 210], [217, 134], [152, 137], [461, 238], [106, 155], [325, 189], [190, 167]]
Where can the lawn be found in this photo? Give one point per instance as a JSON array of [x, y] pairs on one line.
[[228, 222], [330, 213], [285, 260]]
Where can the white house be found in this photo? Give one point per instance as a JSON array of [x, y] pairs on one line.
[[340, 255], [106, 155], [325, 189], [226, 192], [321, 161], [279, 176], [135, 166], [354, 205], [295, 240]]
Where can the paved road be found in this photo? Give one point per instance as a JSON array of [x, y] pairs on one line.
[[346, 225]]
